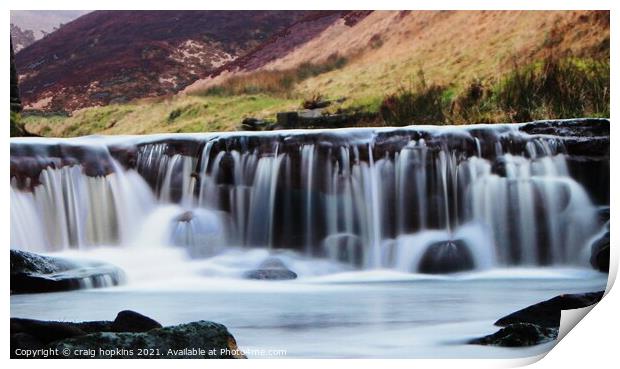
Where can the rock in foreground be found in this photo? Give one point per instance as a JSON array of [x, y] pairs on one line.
[[32, 273], [538, 323], [130, 335], [548, 313], [518, 335]]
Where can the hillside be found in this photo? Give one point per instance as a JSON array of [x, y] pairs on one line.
[[465, 62], [108, 57], [386, 49]]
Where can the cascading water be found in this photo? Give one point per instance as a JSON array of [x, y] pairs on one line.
[[367, 198]]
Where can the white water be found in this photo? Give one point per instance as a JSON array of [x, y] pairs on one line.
[[351, 220], [372, 314], [353, 208]]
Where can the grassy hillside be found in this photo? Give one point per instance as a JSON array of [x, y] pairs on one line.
[[177, 114], [386, 49], [407, 67]]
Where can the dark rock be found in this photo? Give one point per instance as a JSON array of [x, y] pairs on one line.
[[538, 323], [547, 313], [254, 124], [446, 257], [130, 321], [32, 273], [499, 166], [197, 340], [105, 339], [24, 340], [599, 258], [45, 331], [287, 119], [518, 335], [271, 269], [586, 127]]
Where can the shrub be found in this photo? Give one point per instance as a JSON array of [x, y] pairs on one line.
[[555, 88], [421, 105], [473, 105], [313, 102], [549, 89], [174, 114], [274, 82]]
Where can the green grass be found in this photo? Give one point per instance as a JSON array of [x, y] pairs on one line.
[[178, 114], [553, 88], [547, 89]]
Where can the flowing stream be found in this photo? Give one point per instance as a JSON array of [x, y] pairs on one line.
[[341, 208]]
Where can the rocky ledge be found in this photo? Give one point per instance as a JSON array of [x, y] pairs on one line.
[[130, 336], [538, 323], [32, 273]]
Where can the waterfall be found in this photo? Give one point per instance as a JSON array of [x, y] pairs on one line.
[[369, 198], [71, 210]]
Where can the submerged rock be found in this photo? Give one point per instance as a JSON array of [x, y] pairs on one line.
[[538, 323], [32, 273], [128, 336], [271, 269], [599, 258], [446, 257], [517, 335]]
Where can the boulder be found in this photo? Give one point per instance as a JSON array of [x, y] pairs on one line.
[[123, 338], [518, 335], [271, 269], [547, 313], [538, 323], [32, 273], [45, 332], [599, 258], [446, 257], [196, 340], [130, 321]]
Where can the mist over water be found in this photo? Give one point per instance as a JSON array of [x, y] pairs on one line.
[[352, 199], [362, 216]]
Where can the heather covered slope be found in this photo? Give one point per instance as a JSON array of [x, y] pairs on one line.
[[115, 56], [404, 67]]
